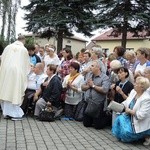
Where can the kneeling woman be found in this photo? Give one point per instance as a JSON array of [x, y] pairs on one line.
[[72, 83], [134, 124]]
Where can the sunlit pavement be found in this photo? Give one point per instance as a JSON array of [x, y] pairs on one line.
[[30, 134]]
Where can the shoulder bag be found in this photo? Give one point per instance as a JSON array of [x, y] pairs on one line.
[[93, 107]]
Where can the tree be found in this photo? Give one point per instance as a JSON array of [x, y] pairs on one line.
[[9, 9], [29, 42], [12, 11], [122, 14], [15, 7], [4, 8], [60, 18]]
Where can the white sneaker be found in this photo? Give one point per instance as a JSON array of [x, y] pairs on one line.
[[17, 118], [147, 142]]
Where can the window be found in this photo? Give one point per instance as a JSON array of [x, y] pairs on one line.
[[106, 51]]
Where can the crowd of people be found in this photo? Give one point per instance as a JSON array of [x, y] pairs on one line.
[[33, 77]]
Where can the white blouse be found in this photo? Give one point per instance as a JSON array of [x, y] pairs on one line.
[[48, 60], [73, 97]]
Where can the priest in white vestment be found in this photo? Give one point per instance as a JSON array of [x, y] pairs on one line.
[[15, 66]]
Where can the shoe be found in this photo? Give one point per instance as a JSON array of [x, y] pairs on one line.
[[65, 118], [71, 119], [36, 117], [7, 117], [17, 118], [147, 141]]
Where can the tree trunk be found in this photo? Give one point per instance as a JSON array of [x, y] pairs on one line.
[[124, 33], [9, 21], [124, 37], [125, 23], [14, 22], [3, 21], [59, 40]]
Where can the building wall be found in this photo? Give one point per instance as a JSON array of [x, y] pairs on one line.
[[131, 44], [146, 43], [44, 41], [75, 45]]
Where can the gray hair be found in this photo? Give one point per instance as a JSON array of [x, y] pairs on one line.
[[21, 37], [115, 64], [143, 50], [40, 66], [97, 49], [130, 52], [144, 82]]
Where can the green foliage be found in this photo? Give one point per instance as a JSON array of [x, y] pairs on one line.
[[60, 15], [124, 15], [29, 42], [60, 18]]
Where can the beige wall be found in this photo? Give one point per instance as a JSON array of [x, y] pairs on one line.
[[44, 41], [76, 45], [135, 44]]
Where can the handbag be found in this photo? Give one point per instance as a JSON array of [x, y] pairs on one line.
[[117, 107], [92, 109], [46, 115], [80, 110]]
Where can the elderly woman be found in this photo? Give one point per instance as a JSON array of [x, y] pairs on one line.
[[142, 56], [132, 61], [134, 124], [72, 83]]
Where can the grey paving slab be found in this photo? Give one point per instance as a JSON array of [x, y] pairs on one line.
[[30, 134]]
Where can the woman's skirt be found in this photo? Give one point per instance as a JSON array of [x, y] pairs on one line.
[[123, 130]]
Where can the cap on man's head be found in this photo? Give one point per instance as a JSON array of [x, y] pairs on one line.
[[115, 64]]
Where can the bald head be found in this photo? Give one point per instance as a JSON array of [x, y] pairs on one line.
[[21, 38], [39, 68], [96, 64]]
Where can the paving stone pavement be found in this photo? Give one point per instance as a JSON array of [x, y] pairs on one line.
[[30, 134]]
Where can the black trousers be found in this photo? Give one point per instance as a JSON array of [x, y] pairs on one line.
[[69, 110], [28, 99], [98, 123]]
